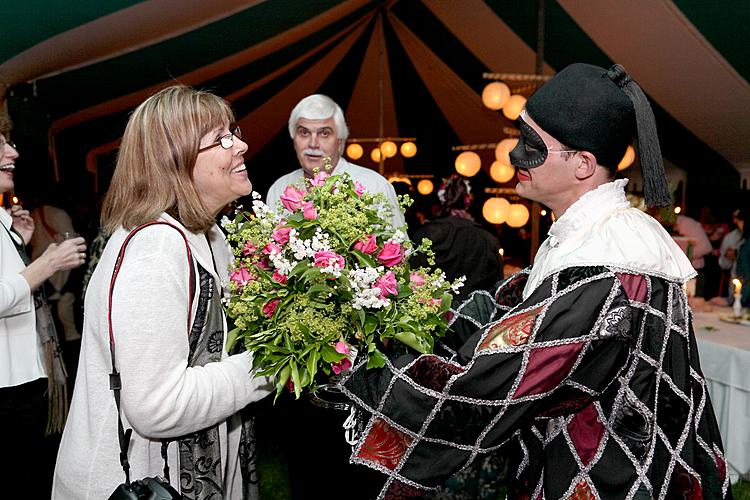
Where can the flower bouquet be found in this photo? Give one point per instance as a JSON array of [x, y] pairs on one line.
[[325, 277]]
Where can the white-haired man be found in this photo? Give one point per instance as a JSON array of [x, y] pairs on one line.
[[318, 129]]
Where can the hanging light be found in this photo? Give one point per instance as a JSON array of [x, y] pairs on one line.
[[354, 151], [495, 95], [495, 210], [503, 149], [500, 172], [514, 106], [627, 159], [425, 186], [408, 149], [389, 149], [375, 155], [468, 163], [518, 215]]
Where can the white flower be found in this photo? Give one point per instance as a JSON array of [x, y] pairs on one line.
[[398, 237], [226, 223], [458, 284], [256, 195]]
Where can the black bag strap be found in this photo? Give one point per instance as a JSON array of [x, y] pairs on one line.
[[115, 383]]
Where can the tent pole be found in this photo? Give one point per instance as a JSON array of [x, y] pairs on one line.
[[539, 66]]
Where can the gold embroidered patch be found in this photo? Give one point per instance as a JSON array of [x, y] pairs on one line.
[[511, 332]]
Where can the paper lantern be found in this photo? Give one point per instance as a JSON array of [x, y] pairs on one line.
[[375, 155], [518, 215], [468, 163], [389, 149], [627, 159], [514, 106], [500, 172], [425, 186], [495, 210], [503, 149], [408, 149], [396, 178], [354, 151], [495, 95]]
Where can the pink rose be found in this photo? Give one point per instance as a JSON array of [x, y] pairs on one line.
[[436, 302], [279, 278], [387, 285], [391, 254], [292, 198], [319, 179], [263, 264], [368, 245], [416, 280], [342, 347], [308, 211], [341, 366], [359, 188], [241, 276], [323, 258], [249, 248], [270, 307], [271, 248], [281, 234]]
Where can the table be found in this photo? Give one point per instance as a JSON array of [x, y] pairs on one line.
[[725, 360]]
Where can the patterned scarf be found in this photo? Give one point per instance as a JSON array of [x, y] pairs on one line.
[[200, 452], [57, 388]]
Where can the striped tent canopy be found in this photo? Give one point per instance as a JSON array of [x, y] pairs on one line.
[[73, 71]]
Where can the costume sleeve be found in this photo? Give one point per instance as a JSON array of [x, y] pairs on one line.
[[551, 354], [161, 395]]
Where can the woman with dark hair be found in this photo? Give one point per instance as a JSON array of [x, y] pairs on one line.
[[462, 247], [180, 162]]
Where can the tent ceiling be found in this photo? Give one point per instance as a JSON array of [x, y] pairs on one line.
[[85, 65]]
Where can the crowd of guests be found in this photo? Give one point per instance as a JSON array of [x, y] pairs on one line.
[[153, 369]]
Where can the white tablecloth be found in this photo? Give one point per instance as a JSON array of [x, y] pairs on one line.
[[725, 359]]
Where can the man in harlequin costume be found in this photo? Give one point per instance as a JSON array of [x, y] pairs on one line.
[[584, 367]]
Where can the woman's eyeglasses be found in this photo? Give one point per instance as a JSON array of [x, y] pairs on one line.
[[225, 141]]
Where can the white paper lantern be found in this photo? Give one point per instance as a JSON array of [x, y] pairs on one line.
[[495, 95], [389, 149], [503, 149], [468, 163], [354, 151], [408, 149], [500, 172], [495, 210], [518, 215], [425, 186], [514, 106]]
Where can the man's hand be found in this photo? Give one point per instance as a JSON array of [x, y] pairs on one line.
[[23, 222]]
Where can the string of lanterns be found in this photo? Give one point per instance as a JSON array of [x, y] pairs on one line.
[[385, 147]]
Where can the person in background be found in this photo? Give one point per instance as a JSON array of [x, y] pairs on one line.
[[462, 247], [584, 365], [728, 253], [715, 231], [33, 399], [180, 162], [318, 130], [54, 225]]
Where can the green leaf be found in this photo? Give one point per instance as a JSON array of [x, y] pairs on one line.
[[322, 289], [411, 340], [376, 360], [232, 337], [371, 323], [295, 379], [281, 381], [330, 355]]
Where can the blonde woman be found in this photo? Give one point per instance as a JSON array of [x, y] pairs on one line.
[[180, 161]]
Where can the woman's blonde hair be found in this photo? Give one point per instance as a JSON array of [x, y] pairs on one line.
[[154, 171]]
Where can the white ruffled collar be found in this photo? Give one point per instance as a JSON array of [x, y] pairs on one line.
[[589, 209]]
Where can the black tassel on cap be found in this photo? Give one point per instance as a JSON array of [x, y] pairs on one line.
[[655, 186]]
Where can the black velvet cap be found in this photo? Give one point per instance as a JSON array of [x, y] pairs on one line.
[[585, 110], [592, 109]]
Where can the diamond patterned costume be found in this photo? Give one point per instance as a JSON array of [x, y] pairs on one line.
[[590, 378]]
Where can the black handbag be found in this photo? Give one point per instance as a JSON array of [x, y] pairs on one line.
[[150, 488]]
